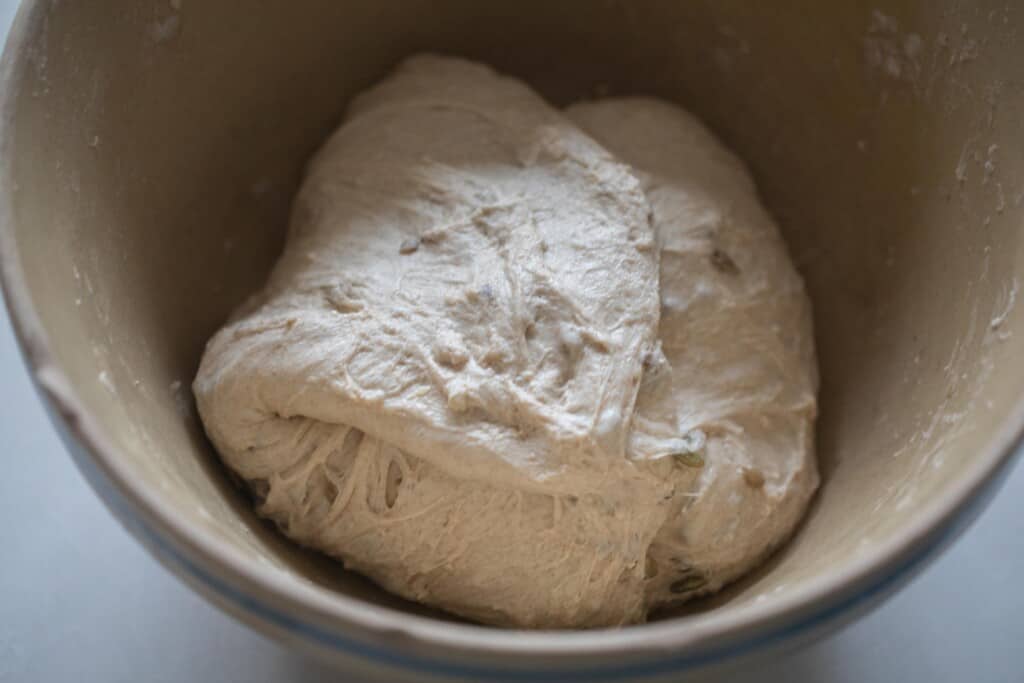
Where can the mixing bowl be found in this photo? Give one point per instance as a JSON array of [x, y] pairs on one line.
[[150, 151]]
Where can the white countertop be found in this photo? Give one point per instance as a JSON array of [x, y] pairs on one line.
[[81, 601]]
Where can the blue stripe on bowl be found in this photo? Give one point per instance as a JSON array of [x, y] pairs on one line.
[[263, 612]]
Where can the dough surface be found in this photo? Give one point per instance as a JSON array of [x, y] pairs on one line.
[[539, 369]]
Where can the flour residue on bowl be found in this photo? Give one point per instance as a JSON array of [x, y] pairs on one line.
[[968, 370], [167, 28], [939, 76], [893, 53]]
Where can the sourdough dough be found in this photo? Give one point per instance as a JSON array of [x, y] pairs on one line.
[[537, 369]]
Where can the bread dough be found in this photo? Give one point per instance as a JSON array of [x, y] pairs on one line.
[[463, 380], [737, 366]]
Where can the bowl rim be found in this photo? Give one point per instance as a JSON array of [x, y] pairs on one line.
[[396, 629]]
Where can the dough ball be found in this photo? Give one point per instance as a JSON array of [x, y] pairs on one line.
[[539, 369]]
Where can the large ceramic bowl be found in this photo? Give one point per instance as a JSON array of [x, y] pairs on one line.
[[150, 150]]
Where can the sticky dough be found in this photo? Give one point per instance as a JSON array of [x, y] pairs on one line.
[[539, 369]]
